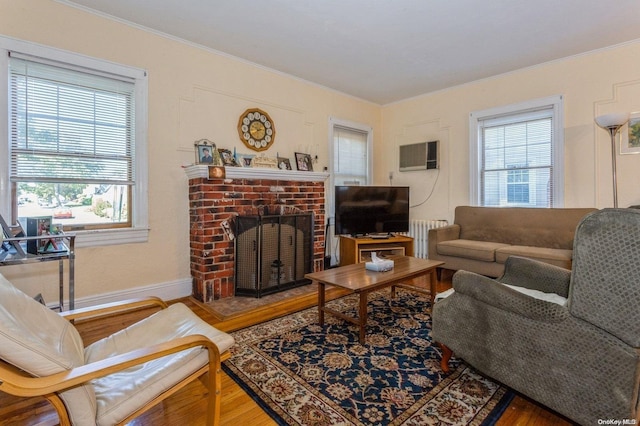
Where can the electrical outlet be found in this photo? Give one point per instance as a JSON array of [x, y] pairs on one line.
[[390, 175]]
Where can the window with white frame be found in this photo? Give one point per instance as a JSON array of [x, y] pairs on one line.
[[517, 155], [350, 152], [76, 142]]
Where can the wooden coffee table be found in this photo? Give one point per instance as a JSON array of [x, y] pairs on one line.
[[361, 281]]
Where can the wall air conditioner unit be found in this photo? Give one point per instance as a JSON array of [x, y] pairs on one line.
[[420, 156]]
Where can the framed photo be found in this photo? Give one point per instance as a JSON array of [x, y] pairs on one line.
[[217, 172], [284, 163], [303, 161], [245, 160], [227, 157], [206, 152], [630, 141]]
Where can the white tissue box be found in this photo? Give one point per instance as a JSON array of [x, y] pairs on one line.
[[379, 266]]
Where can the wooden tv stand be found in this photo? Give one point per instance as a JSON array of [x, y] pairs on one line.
[[356, 250]]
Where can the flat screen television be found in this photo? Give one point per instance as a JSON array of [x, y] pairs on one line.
[[362, 210]]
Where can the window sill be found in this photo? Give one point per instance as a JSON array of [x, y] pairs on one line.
[[107, 237]]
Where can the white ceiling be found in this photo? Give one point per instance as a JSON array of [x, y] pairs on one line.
[[387, 50]]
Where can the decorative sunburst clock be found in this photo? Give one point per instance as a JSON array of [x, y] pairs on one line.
[[256, 129]]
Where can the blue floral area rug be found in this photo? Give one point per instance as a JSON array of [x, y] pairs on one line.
[[304, 374]]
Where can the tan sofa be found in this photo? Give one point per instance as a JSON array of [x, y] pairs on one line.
[[482, 238]]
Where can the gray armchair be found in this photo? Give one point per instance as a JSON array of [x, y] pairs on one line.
[[580, 358]]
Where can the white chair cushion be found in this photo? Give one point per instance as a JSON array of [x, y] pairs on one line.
[[443, 295], [41, 342], [536, 294], [540, 295], [118, 395]]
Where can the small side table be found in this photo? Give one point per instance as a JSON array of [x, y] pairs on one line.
[[16, 256]]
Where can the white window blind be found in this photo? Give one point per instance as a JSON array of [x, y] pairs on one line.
[[76, 142], [517, 159], [68, 124], [350, 152]]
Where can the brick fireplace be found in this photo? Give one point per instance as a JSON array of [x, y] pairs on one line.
[[215, 203]]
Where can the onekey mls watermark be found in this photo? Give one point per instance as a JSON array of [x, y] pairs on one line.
[[617, 422]]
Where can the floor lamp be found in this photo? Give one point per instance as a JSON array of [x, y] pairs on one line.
[[612, 123]]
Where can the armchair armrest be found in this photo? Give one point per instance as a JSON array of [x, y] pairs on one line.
[[113, 308], [17, 382], [494, 293], [535, 275]]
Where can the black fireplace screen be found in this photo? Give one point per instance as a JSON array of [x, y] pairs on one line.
[[272, 253]]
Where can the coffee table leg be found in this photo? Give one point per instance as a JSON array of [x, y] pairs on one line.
[[321, 301], [433, 282], [363, 315]]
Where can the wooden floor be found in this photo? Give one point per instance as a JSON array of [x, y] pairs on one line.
[[188, 406]]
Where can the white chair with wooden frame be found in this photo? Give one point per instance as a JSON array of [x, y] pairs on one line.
[[114, 379]]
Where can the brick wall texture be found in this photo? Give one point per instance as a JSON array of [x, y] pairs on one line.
[[213, 206]]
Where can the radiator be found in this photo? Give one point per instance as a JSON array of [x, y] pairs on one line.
[[419, 230]]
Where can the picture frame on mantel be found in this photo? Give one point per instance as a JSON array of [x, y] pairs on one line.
[[630, 141], [303, 162], [227, 157], [206, 152], [284, 163], [246, 160], [217, 172]]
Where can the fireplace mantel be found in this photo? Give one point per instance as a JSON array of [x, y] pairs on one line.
[[202, 171]]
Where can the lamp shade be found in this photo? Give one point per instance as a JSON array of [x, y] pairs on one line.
[[612, 120]]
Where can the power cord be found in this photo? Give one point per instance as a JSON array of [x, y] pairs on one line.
[[430, 193]]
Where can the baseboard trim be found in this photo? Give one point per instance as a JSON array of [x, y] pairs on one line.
[[166, 291]]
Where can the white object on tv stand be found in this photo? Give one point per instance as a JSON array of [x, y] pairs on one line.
[[357, 250]]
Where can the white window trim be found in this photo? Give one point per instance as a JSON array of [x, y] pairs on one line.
[[475, 161], [139, 231], [333, 122]]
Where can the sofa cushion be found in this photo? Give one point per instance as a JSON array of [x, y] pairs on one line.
[[470, 249], [558, 257]]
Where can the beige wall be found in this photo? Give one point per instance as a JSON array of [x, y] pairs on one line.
[[601, 82], [193, 94]]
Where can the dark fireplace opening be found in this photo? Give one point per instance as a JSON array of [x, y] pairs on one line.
[[272, 253]]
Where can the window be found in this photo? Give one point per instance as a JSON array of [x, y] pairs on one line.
[[76, 141], [350, 151], [351, 154], [517, 155]]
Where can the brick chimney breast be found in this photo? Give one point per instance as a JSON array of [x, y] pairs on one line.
[[214, 204]]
